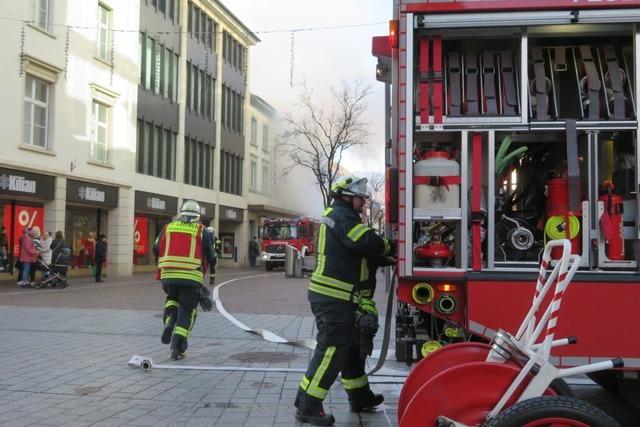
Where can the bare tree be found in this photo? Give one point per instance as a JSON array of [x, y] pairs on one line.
[[374, 207], [318, 139]]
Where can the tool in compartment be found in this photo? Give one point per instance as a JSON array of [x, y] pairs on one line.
[[540, 86], [454, 73], [590, 84], [490, 103], [509, 89], [471, 82], [614, 81]]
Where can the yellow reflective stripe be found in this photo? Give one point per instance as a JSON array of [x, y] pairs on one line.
[[171, 303], [387, 247], [322, 239], [304, 383], [352, 384], [178, 264], [192, 249], [322, 259], [357, 232], [327, 211], [167, 242], [193, 319], [180, 331], [314, 387], [192, 260], [330, 292], [183, 227], [326, 280], [364, 270]]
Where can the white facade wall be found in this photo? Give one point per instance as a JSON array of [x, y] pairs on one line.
[[77, 78]]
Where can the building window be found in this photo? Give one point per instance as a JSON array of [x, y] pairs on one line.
[[254, 131], [265, 138], [41, 13], [254, 176], [104, 36], [36, 112], [100, 133], [265, 179], [156, 151], [198, 158]]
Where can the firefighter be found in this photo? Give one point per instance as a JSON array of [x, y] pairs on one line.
[[183, 248], [217, 248], [345, 246]]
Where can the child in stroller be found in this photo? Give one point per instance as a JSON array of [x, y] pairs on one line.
[[55, 275]]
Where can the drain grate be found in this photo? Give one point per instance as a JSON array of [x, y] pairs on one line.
[[263, 357], [263, 384], [84, 391]]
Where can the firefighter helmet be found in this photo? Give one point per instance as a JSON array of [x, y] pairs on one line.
[[211, 230], [190, 209], [350, 186]]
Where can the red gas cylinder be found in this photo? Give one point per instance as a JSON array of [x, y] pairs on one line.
[[611, 223], [435, 253], [561, 223]]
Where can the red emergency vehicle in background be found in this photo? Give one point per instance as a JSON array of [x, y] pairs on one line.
[[298, 232], [510, 124]]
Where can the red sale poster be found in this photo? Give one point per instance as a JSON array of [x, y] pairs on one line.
[[26, 216], [141, 235]]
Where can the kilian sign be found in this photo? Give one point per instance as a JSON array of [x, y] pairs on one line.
[[227, 213], [207, 210], [156, 203], [90, 193], [21, 183]]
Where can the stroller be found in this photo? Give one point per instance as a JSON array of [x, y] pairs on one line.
[[56, 273]]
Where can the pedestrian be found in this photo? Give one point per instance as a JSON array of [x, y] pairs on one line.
[[28, 257], [45, 251], [90, 249], [100, 256], [4, 249], [254, 251], [337, 295], [60, 257], [25, 232], [34, 234], [183, 249], [57, 246], [217, 247]]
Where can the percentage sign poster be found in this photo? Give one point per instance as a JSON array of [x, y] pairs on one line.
[[26, 217], [140, 235]]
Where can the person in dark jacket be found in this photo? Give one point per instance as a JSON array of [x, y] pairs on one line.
[[184, 248], [4, 248], [100, 256], [336, 294], [254, 251]]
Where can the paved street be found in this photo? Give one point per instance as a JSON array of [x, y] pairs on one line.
[[64, 358]]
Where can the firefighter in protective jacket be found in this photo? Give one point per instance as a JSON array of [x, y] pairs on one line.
[[184, 248], [339, 292]]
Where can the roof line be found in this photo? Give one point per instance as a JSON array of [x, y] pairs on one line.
[[250, 34]]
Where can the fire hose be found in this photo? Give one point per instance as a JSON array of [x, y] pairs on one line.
[[555, 228]]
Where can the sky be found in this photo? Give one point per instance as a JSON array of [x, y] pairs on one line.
[[324, 58]]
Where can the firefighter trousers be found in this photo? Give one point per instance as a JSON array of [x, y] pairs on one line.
[[180, 312], [336, 353]]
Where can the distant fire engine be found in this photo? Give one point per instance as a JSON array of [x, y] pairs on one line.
[[298, 232]]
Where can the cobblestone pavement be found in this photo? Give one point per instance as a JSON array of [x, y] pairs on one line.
[[64, 359]]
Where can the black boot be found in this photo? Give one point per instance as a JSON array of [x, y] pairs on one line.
[[166, 333], [178, 347], [366, 403], [319, 418]]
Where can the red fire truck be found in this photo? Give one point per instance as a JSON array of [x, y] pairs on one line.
[[513, 123], [298, 232]]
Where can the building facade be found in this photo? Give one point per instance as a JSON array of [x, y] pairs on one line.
[[68, 123], [126, 110]]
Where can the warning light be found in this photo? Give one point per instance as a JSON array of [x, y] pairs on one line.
[[447, 288], [393, 34]]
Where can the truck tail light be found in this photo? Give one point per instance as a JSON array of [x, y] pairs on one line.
[[393, 34]]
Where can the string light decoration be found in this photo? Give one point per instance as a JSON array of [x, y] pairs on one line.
[[66, 53], [292, 58], [112, 56], [22, 42]]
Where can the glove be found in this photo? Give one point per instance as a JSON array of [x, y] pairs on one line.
[[392, 248], [367, 325], [204, 298], [367, 306]]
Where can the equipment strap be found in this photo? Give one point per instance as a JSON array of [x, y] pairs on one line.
[[510, 93], [455, 84], [593, 81], [471, 80], [387, 324], [489, 83], [542, 101], [437, 79], [561, 58], [425, 80], [476, 202], [573, 167], [615, 78]]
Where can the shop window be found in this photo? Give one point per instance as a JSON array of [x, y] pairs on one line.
[[104, 34], [82, 227], [100, 133], [36, 111]]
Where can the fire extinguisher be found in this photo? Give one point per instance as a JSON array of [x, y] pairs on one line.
[[611, 222]]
